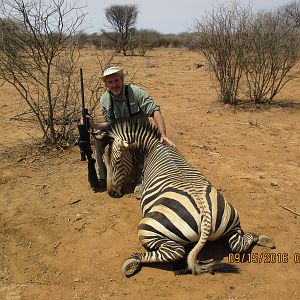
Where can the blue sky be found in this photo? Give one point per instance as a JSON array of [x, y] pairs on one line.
[[165, 16]]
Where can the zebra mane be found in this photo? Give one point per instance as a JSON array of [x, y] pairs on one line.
[[133, 130]]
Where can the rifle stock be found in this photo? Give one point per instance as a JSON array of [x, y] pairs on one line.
[[85, 140]]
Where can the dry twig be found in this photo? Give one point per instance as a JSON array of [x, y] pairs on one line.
[[290, 210]]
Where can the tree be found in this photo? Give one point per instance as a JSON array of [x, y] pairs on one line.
[[122, 20], [270, 53], [220, 39], [38, 56], [261, 48], [292, 10]]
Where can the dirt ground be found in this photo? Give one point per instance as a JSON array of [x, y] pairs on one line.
[[59, 240]]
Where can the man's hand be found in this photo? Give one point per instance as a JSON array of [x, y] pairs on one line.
[[90, 120], [165, 139]]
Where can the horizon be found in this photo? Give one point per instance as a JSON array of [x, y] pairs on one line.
[[167, 17]]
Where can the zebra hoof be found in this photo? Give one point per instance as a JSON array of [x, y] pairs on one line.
[[138, 191], [130, 266], [265, 241]]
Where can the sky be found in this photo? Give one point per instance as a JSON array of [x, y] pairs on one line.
[[165, 16]]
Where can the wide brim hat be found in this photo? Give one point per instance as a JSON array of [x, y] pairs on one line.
[[113, 70]]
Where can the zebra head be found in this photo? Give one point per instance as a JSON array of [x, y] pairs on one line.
[[118, 159], [127, 139]]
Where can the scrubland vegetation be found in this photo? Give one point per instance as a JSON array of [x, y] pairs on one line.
[[251, 55]]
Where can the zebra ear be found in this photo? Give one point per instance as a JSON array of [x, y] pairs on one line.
[[104, 137], [126, 144], [123, 145]]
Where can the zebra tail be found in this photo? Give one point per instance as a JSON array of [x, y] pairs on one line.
[[192, 257]]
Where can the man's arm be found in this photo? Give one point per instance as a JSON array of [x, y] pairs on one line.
[[98, 126], [160, 123], [151, 109]]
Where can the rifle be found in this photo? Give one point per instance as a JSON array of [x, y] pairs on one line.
[[84, 141]]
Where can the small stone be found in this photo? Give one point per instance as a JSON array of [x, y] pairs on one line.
[[78, 217]]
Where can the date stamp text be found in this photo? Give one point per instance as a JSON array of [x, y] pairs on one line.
[[264, 258]]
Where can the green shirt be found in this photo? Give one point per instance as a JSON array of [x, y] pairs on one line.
[[141, 104]]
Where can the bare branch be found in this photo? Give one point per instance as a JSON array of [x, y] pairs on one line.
[[38, 57]]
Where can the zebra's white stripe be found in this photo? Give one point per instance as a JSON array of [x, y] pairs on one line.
[[178, 222], [159, 227]]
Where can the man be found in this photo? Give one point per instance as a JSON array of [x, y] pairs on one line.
[[124, 101]]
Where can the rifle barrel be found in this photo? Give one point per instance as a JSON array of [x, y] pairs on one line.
[[83, 110]]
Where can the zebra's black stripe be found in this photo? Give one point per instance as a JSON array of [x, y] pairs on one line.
[[179, 209]]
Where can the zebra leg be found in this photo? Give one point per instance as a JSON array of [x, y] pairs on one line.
[[168, 251], [239, 242]]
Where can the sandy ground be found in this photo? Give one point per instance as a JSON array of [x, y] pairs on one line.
[[59, 240]]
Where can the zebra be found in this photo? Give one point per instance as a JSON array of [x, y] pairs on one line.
[[179, 205]]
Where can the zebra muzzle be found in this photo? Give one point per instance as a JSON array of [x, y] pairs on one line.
[[115, 193]]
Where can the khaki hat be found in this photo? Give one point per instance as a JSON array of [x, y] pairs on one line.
[[113, 70]]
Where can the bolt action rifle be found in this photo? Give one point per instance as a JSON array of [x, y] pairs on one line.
[[84, 141]]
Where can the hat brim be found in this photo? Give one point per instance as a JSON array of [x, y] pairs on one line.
[[121, 72]]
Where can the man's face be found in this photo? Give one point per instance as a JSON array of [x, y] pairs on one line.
[[114, 83]]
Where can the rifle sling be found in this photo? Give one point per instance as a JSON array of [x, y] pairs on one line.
[[127, 102]]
